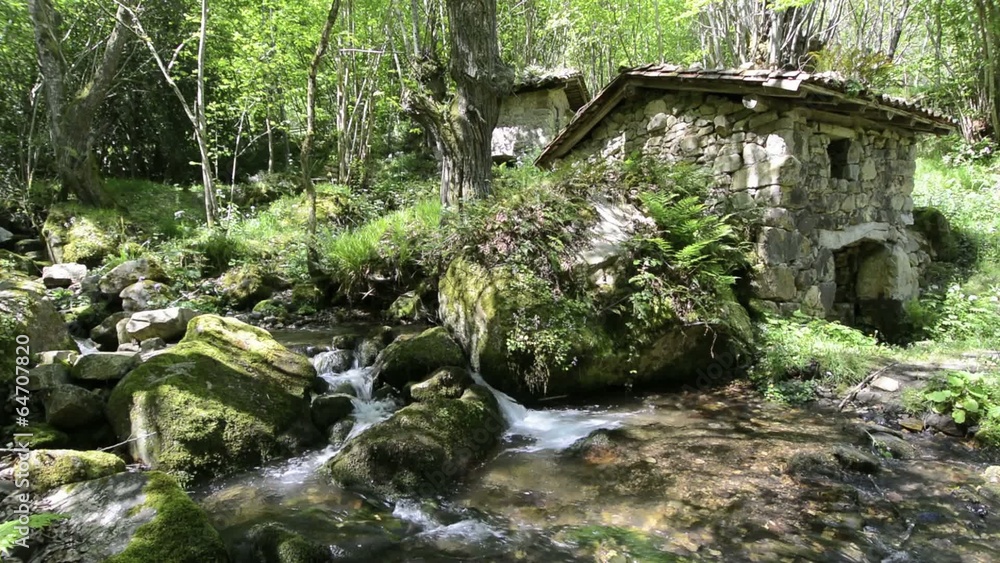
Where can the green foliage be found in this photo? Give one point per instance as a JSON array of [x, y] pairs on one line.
[[548, 327], [961, 303], [796, 352], [9, 534], [389, 251], [969, 398]]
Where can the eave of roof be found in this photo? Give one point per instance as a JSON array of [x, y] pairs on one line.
[[569, 80], [825, 89]]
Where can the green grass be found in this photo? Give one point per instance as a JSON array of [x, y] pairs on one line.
[[388, 249]]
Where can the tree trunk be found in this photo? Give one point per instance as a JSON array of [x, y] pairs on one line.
[[201, 125], [71, 117], [307, 143]]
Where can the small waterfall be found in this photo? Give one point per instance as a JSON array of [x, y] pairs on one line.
[[550, 429]]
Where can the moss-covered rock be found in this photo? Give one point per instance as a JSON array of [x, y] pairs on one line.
[[330, 409], [104, 366], [407, 307], [481, 308], [423, 448], [227, 397], [24, 310], [132, 518], [42, 435], [245, 285], [77, 233], [445, 383], [413, 357], [54, 468], [144, 295], [130, 272], [274, 543], [12, 265]]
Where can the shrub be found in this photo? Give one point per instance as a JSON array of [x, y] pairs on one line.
[[969, 398]]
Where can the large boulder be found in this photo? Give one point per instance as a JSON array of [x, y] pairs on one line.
[[105, 335], [47, 376], [412, 357], [168, 324], [104, 366], [445, 383], [77, 233], [128, 273], [68, 407], [481, 307], [54, 468], [143, 295], [424, 448], [63, 275], [243, 286], [131, 518], [227, 397], [24, 310]]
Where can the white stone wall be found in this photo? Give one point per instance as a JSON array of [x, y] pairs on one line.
[[529, 121], [773, 165]]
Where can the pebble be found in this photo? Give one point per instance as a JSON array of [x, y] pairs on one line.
[[887, 384]]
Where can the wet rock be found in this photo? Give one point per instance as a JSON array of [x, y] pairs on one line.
[[128, 273], [105, 335], [414, 357], [943, 423], [339, 432], [912, 424], [68, 407], [34, 316], [169, 324], [895, 446], [600, 447], [370, 347], [54, 468], [144, 295], [344, 341], [273, 543], [67, 357], [445, 383], [63, 275], [131, 517], [152, 344], [227, 397], [333, 361], [407, 307], [423, 448], [809, 464], [330, 409], [853, 459], [46, 376], [104, 366]]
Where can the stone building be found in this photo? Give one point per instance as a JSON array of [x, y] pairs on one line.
[[540, 105], [823, 168]]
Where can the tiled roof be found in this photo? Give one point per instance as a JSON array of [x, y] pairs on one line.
[[829, 89], [568, 79]]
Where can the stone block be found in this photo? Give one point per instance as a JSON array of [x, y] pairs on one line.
[[775, 283], [778, 246]]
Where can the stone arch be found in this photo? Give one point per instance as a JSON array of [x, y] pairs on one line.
[[874, 280]]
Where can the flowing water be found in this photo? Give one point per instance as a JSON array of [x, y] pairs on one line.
[[666, 477]]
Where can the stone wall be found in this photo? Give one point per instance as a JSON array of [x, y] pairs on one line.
[[817, 191], [528, 122]]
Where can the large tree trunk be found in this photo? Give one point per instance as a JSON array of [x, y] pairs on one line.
[[71, 116], [463, 128]]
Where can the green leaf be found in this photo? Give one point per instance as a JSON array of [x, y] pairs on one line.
[[940, 396], [971, 405], [959, 416]]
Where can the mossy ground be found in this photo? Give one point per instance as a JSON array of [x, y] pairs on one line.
[[179, 533]]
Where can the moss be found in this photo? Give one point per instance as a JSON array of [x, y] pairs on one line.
[[54, 468], [43, 436], [423, 448], [25, 310], [179, 533], [273, 543], [84, 234], [413, 358], [245, 285], [227, 397], [14, 265], [270, 307]]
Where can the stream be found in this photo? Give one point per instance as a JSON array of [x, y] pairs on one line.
[[663, 477]]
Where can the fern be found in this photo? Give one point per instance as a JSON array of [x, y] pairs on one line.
[[9, 535]]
